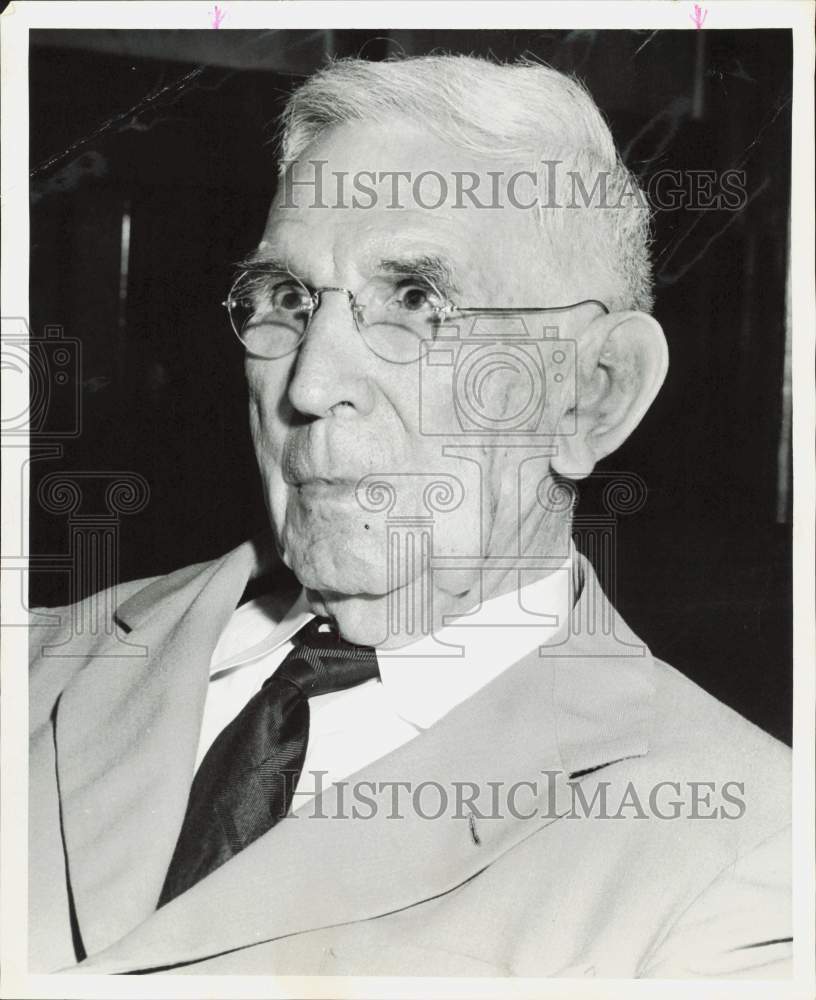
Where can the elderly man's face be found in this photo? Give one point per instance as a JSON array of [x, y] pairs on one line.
[[332, 412]]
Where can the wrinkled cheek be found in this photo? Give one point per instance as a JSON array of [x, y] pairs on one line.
[[268, 436], [264, 423], [337, 550], [267, 387]]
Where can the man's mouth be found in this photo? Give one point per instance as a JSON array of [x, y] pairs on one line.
[[319, 495], [322, 488], [311, 464], [300, 472], [318, 483]]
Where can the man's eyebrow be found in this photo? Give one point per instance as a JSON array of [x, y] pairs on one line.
[[261, 260], [434, 268], [430, 266]]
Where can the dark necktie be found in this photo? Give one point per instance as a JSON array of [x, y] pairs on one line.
[[247, 779]]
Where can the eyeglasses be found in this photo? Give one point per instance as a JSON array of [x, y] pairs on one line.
[[396, 315]]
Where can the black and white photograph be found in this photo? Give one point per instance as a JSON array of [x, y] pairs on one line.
[[407, 499]]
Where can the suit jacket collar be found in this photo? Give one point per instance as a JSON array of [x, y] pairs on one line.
[[126, 732], [252, 560], [126, 741]]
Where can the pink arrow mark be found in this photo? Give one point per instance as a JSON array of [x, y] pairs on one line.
[[698, 16]]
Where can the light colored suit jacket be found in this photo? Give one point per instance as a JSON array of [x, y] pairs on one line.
[[547, 886]]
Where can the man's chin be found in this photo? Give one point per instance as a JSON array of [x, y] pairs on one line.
[[360, 618], [327, 569]]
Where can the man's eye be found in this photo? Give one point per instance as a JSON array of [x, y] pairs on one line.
[[414, 297], [289, 298]]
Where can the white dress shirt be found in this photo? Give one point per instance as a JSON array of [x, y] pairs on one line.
[[418, 683]]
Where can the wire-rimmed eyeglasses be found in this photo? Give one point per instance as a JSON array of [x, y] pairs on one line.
[[395, 314]]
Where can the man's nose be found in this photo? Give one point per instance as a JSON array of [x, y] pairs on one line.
[[329, 375]]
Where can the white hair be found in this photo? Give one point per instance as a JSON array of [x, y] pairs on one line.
[[523, 111]]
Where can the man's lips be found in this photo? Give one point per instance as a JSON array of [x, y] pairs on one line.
[[298, 471], [319, 482], [319, 492], [324, 487], [302, 467], [323, 454]]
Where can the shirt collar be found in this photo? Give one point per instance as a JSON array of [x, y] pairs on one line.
[[252, 633], [425, 679]]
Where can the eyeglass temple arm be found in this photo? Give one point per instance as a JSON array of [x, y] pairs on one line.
[[510, 310]]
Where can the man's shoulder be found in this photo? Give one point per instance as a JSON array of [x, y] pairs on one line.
[[128, 602], [711, 751], [703, 849], [711, 791], [54, 624], [106, 626], [64, 639], [690, 721], [692, 737]]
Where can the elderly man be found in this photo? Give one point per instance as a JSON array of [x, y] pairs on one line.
[[412, 737]]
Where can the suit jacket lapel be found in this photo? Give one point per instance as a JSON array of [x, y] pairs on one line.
[[575, 705], [126, 732]]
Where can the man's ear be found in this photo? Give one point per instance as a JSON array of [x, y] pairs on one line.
[[621, 363]]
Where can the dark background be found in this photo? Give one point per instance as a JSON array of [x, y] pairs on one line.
[[174, 130]]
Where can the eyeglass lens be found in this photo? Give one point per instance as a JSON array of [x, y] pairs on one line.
[[395, 314]]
